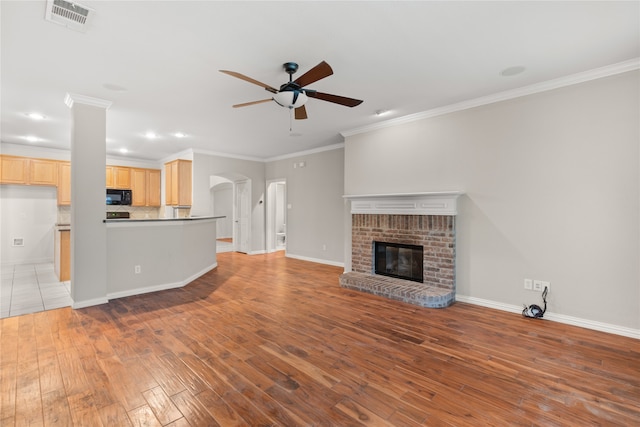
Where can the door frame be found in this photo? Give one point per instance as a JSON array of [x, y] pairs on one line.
[[271, 213], [237, 245]]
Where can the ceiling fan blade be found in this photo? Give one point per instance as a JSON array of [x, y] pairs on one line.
[[246, 104], [336, 99], [301, 113], [250, 80], [318, 72]]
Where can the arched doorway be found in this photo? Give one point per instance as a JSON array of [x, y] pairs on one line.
[[231, 198]]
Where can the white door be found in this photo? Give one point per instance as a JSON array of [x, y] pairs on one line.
[[242, 225]]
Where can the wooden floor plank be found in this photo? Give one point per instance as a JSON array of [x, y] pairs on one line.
[[270, 340]]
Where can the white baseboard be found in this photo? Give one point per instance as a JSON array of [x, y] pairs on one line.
[[320, 261], [561, 318], [89, 303], [144, 290], [161, 287]]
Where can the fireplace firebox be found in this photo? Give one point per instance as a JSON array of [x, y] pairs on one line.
[[398, 260]]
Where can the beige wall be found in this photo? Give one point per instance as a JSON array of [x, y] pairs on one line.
[[552, 192]]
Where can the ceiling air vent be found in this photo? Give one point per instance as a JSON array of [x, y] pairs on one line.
[[71, 15]]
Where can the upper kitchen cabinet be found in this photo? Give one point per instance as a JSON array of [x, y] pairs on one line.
[[154, 179], [64, 183], [28, 171], [118, 177], [145, 187], [14, 170], [43, 172], [178, 183]]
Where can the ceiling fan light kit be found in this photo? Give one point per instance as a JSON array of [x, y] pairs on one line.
[[293, 94], [290, 98]]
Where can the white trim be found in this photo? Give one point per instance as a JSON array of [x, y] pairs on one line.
[[162, 287], [89, 303], [181, 155], [431, 203], [306, 152], [71, 98], [610, 70], [260, 252], [560, 318], [270, 159], [319, 261], [145, 290], [229, 156]]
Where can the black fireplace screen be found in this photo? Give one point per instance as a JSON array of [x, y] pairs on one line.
[[398, 260]]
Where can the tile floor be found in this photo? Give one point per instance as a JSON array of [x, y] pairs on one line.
[[29, 288]]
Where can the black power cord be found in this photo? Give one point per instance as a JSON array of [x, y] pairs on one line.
[[534, 310]]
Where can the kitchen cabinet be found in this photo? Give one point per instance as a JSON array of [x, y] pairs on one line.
[[64, 183], [62, 254], [145, 187], [14, 170], [154, 179], [43, 172], [118, 177], [28, 171], [178, 183]]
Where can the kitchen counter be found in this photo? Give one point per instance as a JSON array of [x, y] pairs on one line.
[[192, 218]]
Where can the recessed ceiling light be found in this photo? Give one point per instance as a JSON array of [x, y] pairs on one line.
[[36, 116], [512, 71], [180, 135], [32, 138], [382, 112], [124, 150], [150, 135]]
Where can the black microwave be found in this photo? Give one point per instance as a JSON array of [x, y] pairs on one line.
[[118, 197]]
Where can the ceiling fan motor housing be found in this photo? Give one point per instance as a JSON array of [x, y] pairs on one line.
[[290, 67]]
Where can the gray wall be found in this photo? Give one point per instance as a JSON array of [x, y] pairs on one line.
[[207, 165], [315, 221], [552, 192]]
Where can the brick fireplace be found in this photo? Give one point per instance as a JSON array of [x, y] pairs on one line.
[[422, 219]]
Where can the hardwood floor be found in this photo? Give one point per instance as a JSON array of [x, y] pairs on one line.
[[267, 340]]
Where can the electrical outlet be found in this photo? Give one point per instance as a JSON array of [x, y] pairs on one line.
[[539, 285], [324, 247], [545, 285], [137, 269], [528, 284]]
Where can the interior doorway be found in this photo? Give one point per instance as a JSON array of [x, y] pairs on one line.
[[231, 199], [276, 215]]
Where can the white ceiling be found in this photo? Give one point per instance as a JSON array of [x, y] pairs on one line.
[[406, 57]]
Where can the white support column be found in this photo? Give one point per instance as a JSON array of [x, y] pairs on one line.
[[88, 231]]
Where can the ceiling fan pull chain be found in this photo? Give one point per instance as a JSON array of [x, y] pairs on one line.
[[290, 119]]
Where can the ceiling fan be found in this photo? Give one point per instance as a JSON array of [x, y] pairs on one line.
[[294, 94]]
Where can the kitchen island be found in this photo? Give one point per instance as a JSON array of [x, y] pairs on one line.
[[147, 255]]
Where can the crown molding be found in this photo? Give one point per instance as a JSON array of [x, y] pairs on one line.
[[306, 152], [597, 73], [72, 98], [227, 155]]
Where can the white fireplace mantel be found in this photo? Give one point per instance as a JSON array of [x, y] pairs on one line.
[[430, 203]]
